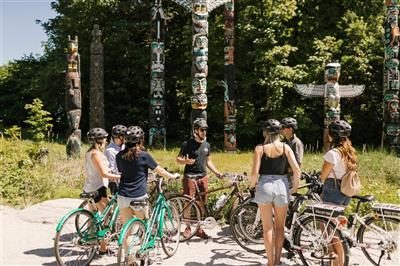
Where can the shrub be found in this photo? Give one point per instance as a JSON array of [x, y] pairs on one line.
[[38, 120]]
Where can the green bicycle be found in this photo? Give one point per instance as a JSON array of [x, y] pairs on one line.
[[139, 242], [79, 232]]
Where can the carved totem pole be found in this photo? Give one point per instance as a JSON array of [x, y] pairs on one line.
[[96, 80], [157, 131], [229, 84], [391, 76], [200, 10], [332, 92], [73, 104]]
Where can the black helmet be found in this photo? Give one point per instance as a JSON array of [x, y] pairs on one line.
[[272, 126], [96, 134], [134, 134], [289, 122], [199, 123], [340, 128], [118, 131]]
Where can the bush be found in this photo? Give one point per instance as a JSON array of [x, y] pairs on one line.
[[38, 120]]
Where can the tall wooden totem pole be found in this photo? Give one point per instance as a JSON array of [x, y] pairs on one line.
[[157, 130], [200, 10], [229, 83], [73, 103], [96, 80], [332, 92], [391, 76]]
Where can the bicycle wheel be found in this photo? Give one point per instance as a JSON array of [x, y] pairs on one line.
[[76, 244], [246, 230], [171, 234], [381, 236], [190, 215], [132, 239], [314, 237]]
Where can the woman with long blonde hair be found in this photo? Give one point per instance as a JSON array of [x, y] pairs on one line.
[[270, 174], [337, 162]]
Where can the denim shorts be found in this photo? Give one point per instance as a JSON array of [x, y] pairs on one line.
[[272, 189], [125, 202], [331, 193]]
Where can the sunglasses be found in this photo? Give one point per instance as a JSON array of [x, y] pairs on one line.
[[203, 129]]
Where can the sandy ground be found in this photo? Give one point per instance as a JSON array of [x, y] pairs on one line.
[[27, 239]]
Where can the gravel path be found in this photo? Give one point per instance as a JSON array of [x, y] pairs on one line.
[[27, 239]]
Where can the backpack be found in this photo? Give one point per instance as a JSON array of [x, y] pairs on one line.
[[351, 184]]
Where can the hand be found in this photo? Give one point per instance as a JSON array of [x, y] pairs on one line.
[[176, 176], [219, 175], [189, 161], [292, 191]]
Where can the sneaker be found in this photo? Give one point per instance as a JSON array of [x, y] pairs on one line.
[[200, 233], [187, 232]]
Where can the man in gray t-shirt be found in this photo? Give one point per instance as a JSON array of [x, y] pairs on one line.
[[289, 125]]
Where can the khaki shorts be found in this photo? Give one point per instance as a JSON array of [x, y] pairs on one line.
[[189, 187]]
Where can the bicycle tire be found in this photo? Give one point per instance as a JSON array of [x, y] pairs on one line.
[[171, 231], [132, 239], [184, 206], [391, 240], [241, 223], [320, 252], [71, 240]]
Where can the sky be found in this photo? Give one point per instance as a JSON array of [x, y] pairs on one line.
[[19, 33]]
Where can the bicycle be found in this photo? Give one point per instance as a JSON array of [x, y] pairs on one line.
[[246, 223], [139, 242], [79, 232], [378, 233], [194, 217]]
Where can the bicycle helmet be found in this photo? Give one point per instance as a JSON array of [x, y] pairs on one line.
[[118, 131], [289, 122], [134, 134], [199, 123], [271, 126], [96, 134], [340, 128]]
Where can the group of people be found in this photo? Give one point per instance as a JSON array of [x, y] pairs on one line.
[[275, 172]]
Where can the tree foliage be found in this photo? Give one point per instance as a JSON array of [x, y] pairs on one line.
[[278, 44], [38, 120]]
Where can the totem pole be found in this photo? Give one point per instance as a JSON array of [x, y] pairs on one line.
[[391, 77], [157, 131], [200, 10], [96, 80], [229, 84], [73, 98], [332, 92]]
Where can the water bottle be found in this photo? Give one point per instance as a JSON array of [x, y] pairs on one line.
[[220, 201]]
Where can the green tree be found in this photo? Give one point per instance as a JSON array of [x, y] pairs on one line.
[[38, 120]]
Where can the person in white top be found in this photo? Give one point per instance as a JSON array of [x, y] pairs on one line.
[[118, 139], [96, 166], [337, 161]]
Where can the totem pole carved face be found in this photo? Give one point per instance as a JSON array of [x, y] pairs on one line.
[[391, 52], [157, 88], [201, 42], [199, 101], [200, 68], [229, 9], [200, 6], [332, 115], [393, 129], [157, 57], [200, 27], [199, 85], [332, 72]]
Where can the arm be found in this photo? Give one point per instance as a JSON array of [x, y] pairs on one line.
[[183, 157], [326, 169], [97, 161], [161, 171], [253, 178], [111, 161], [295, 168], [211, 166]]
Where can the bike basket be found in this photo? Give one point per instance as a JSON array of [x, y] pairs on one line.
[[386, 209], [324, 210]]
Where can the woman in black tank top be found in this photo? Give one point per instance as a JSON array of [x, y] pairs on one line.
[[269, 173]]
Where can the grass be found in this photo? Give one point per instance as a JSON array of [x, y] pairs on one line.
[[25, 180]]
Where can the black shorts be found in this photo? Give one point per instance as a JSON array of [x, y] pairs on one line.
[[102, 194]]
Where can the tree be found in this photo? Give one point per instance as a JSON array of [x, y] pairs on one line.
[[38, 120]]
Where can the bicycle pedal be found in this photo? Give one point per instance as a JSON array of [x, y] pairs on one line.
[[209, 223]]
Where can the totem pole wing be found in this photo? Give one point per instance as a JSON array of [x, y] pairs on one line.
[[310, 90], [187, 4], [348, 91], [213, 4]]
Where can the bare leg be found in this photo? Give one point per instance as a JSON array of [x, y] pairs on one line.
[[338, 248], [101, 205], [279, 222], [268, 228]]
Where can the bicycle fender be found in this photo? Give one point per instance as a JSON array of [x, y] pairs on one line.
[[124, 228], [65, 217]]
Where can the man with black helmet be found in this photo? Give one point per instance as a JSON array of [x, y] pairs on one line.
[[195, 155], [118, 138]]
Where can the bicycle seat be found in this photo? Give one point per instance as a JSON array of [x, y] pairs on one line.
[[365, 198], [89, 195]]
